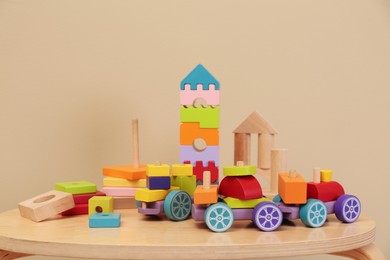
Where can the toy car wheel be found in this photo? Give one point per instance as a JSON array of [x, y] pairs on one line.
[[277, 199], [177, 205], [267, 216], [313, 213], [347, 208], [219, 217]]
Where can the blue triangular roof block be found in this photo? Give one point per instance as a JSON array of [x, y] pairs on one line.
[[199, 75]]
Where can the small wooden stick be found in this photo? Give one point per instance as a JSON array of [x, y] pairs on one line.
[[135, 143], [316, 175], [206, 180], [293, 174]]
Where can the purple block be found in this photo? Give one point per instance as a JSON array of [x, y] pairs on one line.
[[242, 214], [188, 153], [330, 205], [290, 212], [198, 212], [152, 208], [158, 182]]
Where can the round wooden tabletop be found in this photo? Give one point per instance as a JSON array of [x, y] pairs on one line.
[[143, 237]]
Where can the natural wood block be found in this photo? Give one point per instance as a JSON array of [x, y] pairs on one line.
[[46, 205]]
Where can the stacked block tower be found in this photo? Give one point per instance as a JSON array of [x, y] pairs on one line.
[[199, 123]]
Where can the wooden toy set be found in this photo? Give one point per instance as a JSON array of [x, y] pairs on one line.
[[192, 188]]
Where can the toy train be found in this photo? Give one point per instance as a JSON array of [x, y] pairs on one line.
[[239, 196]]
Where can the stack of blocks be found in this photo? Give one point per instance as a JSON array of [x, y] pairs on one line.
[[121, 182], [199, 122], [81, 191], [239, 187], [101, 213]]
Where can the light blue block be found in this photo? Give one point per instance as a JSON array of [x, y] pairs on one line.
[[105, 220], [199, 75]]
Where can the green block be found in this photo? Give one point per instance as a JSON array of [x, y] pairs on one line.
[[208, 117], [76, 187], [243, 204], [239, 170], [185, 183]]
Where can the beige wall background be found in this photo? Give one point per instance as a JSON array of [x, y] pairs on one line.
[[74, 73]]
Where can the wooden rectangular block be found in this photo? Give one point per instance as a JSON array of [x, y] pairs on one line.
[[243, 204], [105, 220], [182, 169], [124, 203], [119, 191], [186, 183], [79, 209], [188, 153], [46, 205], [83, 198], [206, 196], [147, 195], [208, 117], [158, 183], [153, 170], [191, 131], [76, 187], [128, 172], [100, 204], [119, 182], [292, 190]]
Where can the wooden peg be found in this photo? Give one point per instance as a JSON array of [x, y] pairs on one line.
[[316, 175], [278, 164], [206, 180], [135, 143]]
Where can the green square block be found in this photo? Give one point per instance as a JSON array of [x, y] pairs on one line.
[[76, 187], [185, 183], [208, 117]]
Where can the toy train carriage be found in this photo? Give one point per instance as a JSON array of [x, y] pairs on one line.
[[313, 201], [239, 197]]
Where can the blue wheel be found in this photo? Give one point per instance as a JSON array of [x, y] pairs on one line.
[[219, 217], [267, 216], [277, 198], [347, 208], [313, 213], [177, 205]]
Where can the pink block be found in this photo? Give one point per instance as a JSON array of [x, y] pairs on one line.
[[119, 191], [188, 96]]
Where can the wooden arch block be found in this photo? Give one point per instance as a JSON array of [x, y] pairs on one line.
[[243, 187], [46, 205]]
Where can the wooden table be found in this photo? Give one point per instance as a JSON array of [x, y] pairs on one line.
[[142, 237]]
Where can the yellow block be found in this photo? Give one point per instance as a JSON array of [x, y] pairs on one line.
[[100, 204], [146, 195], [243, 204], [153, 170], [119, 182], [326, 175], [182, 170]]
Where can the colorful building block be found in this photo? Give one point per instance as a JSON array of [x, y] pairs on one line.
[[76, 187], [120, 191], [199, 75], [147, 195], [155, 170], [206, 195], [46, 205], [326, 175], [191, 131], [105, 220], [83, 198], [200, 168], [182, 170], [239, 170], [158, 183], [189, 153], [208, 117], [243, 204], [292, 188], [100, 204], [189, 97], [186, 183], [119, 182], [128, 172], [79, 209], [242, 187], [325, 191], [124, 203]]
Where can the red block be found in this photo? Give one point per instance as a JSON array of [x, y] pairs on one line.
[[198, 170], [83, 198], [325, 191], [79, 209], [241, 187]]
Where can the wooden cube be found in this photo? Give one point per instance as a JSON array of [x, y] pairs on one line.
[[292, 190]]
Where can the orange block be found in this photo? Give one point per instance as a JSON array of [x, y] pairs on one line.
[[206, 196], [126, 172], [292, 190], [191, 131]]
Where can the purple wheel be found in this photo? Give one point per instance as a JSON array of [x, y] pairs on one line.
[[267, 216], [347, 208]]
